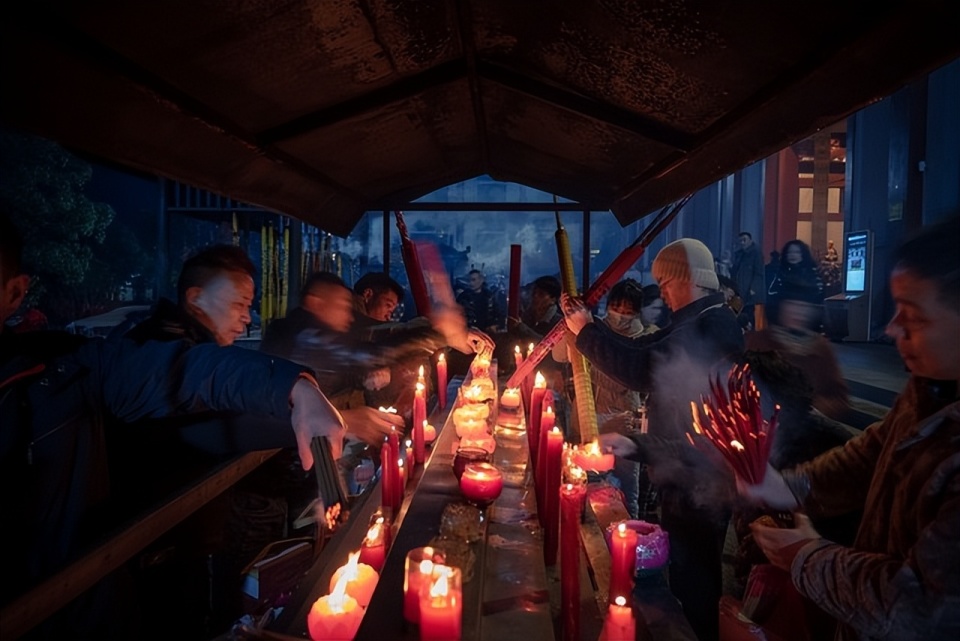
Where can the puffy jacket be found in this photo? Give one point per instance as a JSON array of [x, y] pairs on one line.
[[57, 391]]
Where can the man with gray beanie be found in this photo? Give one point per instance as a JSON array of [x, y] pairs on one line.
[[676, 364]]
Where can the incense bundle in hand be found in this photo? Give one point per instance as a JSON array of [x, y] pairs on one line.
[[732, 420]]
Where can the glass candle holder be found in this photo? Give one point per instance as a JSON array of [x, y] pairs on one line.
[[441, 604], [467, 455], [481, 483], [417, 569]]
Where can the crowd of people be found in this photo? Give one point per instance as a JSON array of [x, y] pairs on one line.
[[872, 547]]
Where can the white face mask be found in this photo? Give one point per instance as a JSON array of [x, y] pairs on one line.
[[620, 323]]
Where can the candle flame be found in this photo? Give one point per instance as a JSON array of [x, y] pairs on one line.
[[337, 600], [400, 462], [548, 410], [441, 358], [620, 601], [373, 534], [622, 529], [736, 444], [351, 569], [408, 442], [440, 586], [421, 387], [555, 430], [516, 348], [426, 565], [593, 448], [421, 371], [388, 410], [539, 380]]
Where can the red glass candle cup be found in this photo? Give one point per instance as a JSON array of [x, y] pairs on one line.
[[467, 455]]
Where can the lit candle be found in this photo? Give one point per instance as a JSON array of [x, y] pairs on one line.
[[360, 579], [474, 411], [550, 467], [442, 380], [571, 498], [536, 408], [420, 378], [623, 558], [471, 428], [591, 458], [393, 438], [517, 356], [619, 624], [481, 483], [429, 432], [419, 418], [335, 616], [373, 549], [510, 400], [387, 476], [480, 366], [402, 468], [408, 446], [441, 605], [417, 568]]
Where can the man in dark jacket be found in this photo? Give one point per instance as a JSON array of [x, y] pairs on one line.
[[750, 276], [480, 304], [676, 363], [56, 390]]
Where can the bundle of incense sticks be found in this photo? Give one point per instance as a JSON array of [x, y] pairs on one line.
[[732, 420]]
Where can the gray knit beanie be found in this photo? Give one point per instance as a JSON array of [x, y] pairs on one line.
[[689, 260]]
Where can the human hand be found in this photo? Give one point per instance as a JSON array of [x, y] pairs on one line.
[[781, 545], [377, 379], [312, 416], [771, 492], [479, 341], [452, 324], [370, 425], [575, 313], [617, 444]]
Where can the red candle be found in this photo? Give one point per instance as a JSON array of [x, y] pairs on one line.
[[536, 407], [373, 550], [547, 421], [418, 568], [419, 418], [387, 476], [517, 356], [513, 290], [623, 558], [360, 579], [481, 483], [619, 624], [408, 446], [441, 605], [571, 498], [397, 498], [553, 444], [592, 459], [442, 380], [335, 616]]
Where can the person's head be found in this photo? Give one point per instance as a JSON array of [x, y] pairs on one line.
[[216, 288], [624, 303], [379, 295], [476, 279], [14, 284], [328, 298], [546, 292], [796, 252], [685, 271], [653, 311], [746, 239], [925, 284]]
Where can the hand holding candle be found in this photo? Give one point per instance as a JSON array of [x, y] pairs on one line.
[[592, 459]]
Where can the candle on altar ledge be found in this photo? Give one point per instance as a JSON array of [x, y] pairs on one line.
[[373, 550], [481, 483], [417, 568], [550, 462], [387, 476], [394, 441], [619, 624], [536, 410], [592, 459], [441, 604], [360, 578], [571, 498], [471, 428], [623, 558], [419, 418], [408, 446], [335, 616], [517, 356], [429, 432], [510, 400], [420, 378], [442, 380], [402, 468]]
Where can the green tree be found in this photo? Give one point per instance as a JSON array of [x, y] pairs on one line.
[[78, 259]]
